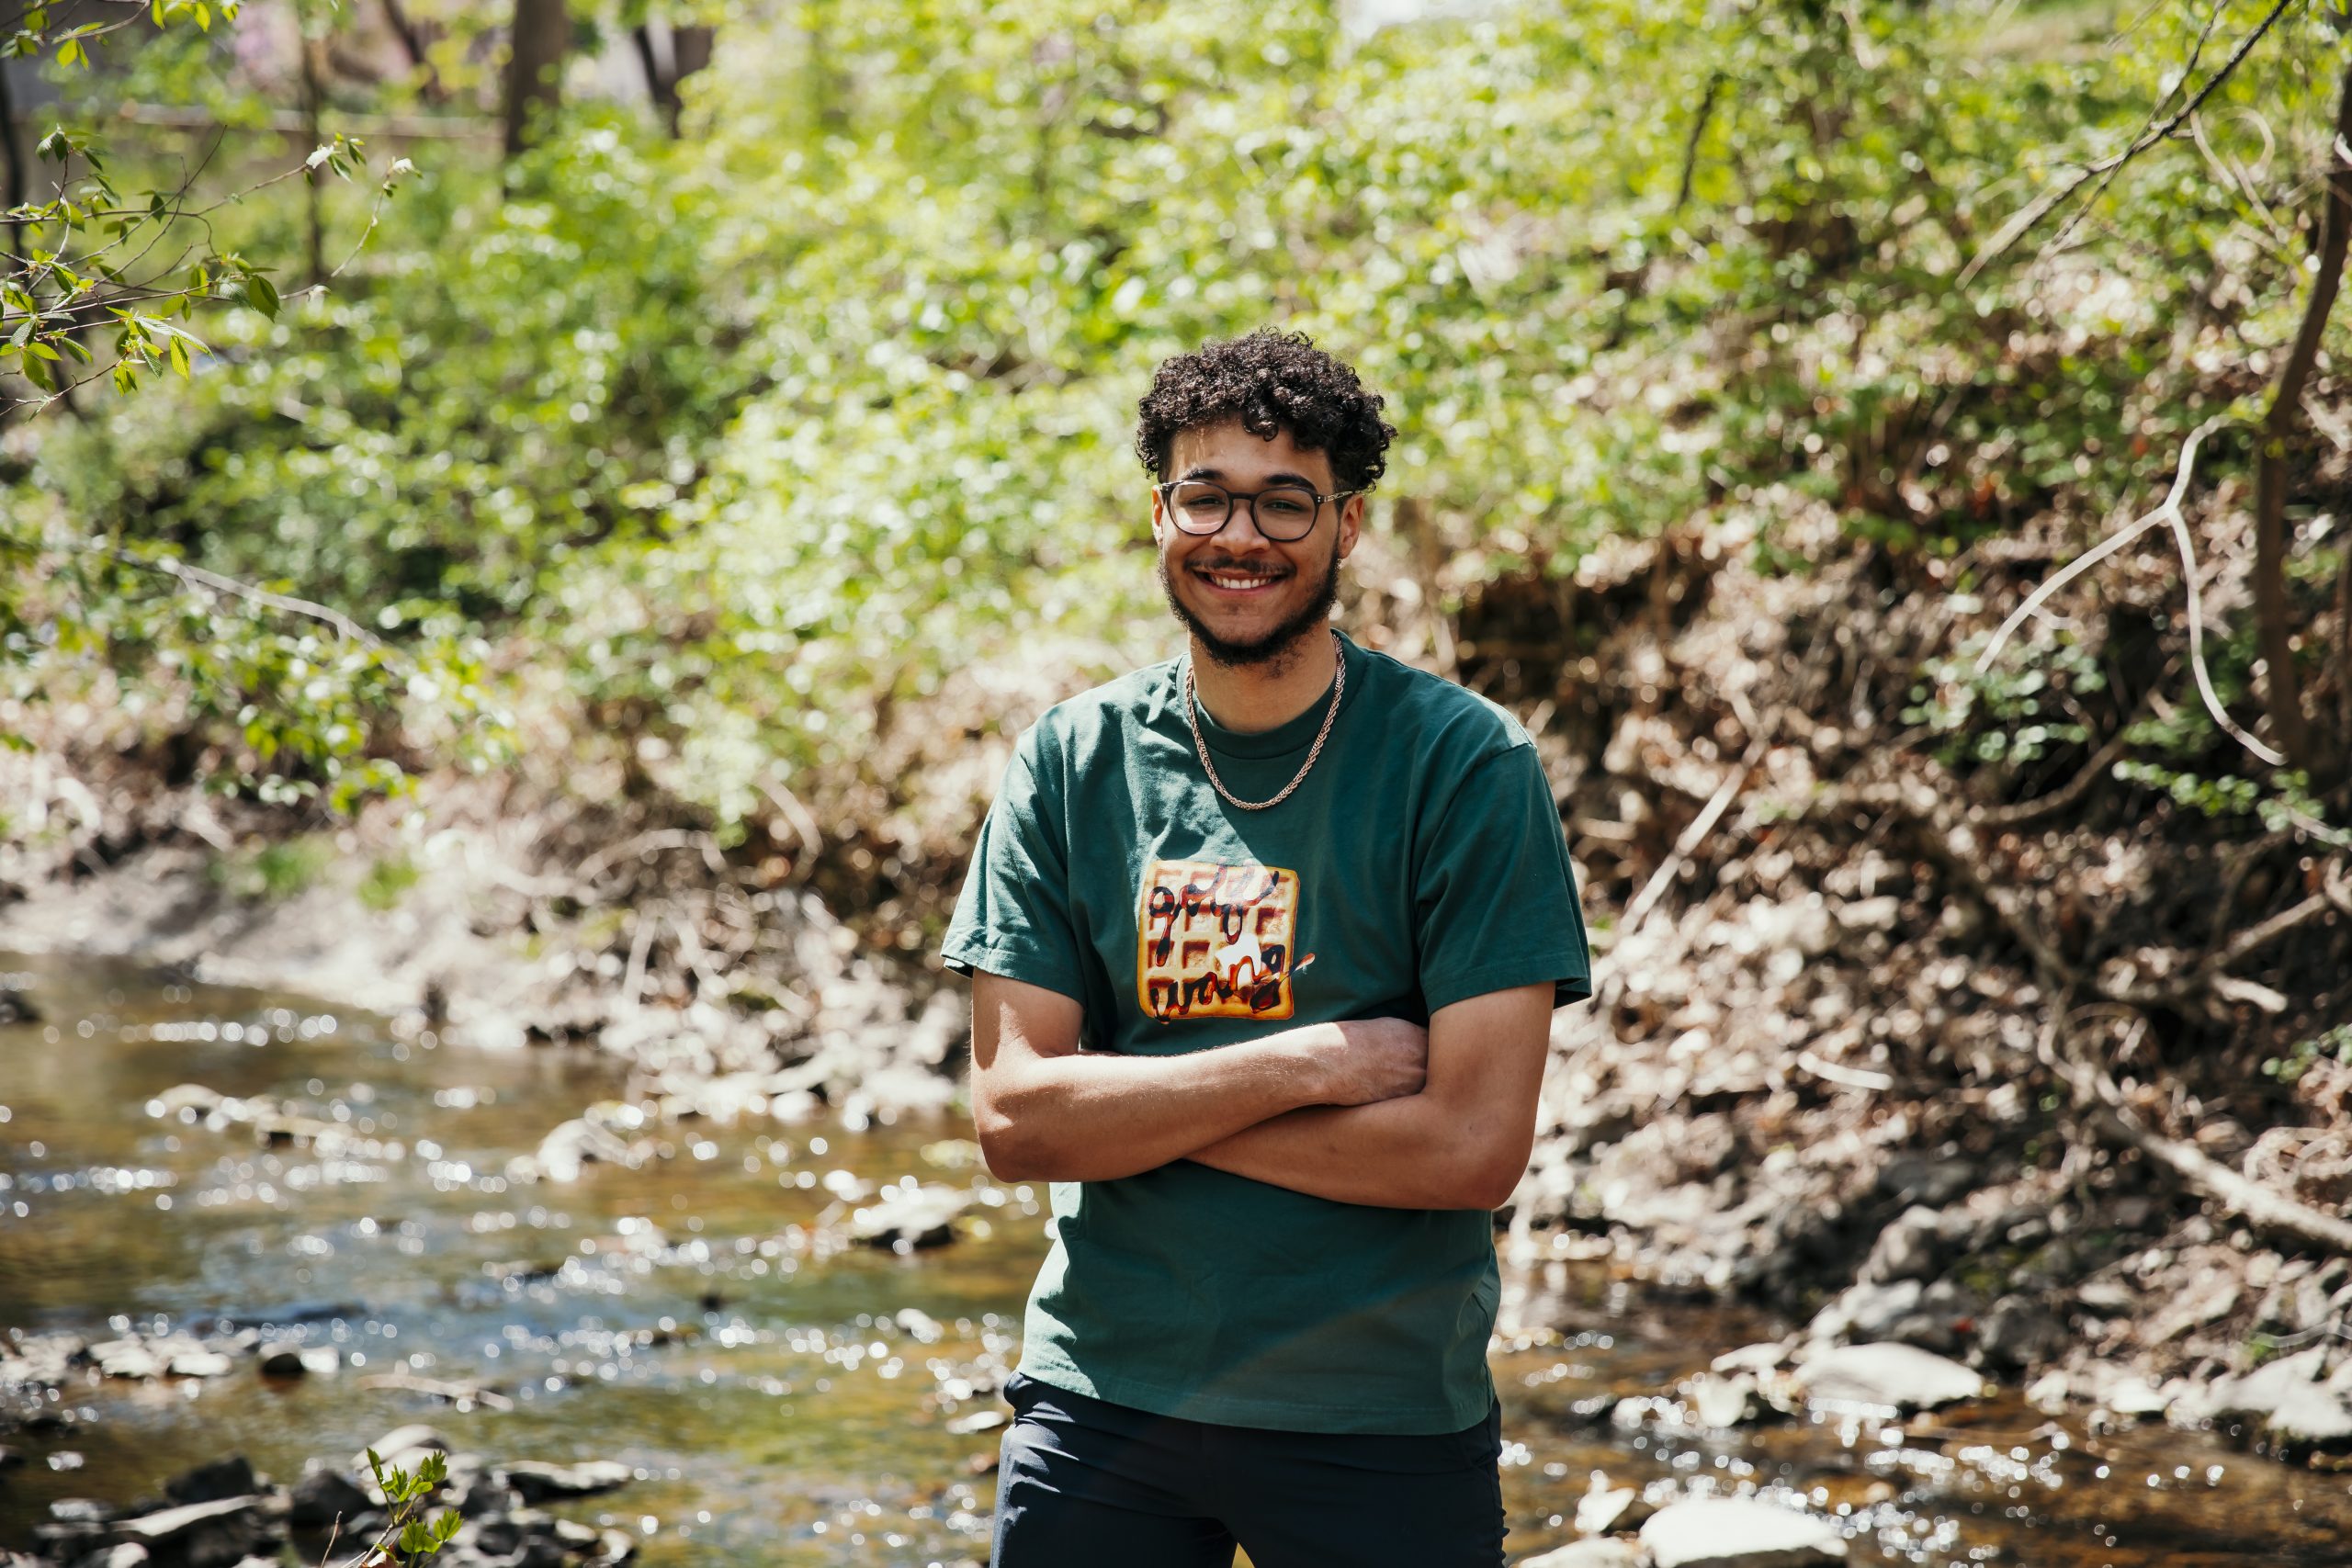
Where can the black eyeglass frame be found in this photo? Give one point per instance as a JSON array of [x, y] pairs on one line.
[[1165, 492]]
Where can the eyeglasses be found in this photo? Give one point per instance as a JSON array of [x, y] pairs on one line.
[[1281, 512]]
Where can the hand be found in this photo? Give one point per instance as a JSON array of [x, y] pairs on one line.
[[1378, 1058]]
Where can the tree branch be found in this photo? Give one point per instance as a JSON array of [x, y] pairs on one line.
[[212, 581], [2040, 207]]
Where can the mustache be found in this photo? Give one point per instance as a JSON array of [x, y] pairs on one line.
[[1269, 569]]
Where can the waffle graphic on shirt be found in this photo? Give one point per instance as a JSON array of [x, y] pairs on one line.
[[1215, 941]]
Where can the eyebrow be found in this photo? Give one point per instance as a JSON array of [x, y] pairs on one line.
[[1202, 471]]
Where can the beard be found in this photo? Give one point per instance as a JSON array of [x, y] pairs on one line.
[[1278, 642]]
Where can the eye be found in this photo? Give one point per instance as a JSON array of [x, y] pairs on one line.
[[1200, 501], [1288, 503]]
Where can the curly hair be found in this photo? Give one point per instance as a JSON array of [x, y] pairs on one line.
[[1270, 381]]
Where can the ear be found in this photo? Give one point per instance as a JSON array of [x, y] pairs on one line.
[[1158, 515], [1350, 524]]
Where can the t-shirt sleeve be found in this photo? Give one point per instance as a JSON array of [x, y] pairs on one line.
[[1013, 916], [1494, 898]]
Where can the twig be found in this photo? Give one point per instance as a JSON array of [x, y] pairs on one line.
[[2039, 208], [1701, 825], [455, 1393], [2019, 813], [2167, 513], [1698, 131], [646, 843], [1838, 1073]]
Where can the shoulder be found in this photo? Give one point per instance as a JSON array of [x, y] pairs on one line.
[[1099, 721], [1435, 717]]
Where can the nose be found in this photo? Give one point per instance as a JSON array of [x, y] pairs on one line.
[[1241, 531]]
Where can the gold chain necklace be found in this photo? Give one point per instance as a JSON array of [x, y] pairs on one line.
[[1191, 717]]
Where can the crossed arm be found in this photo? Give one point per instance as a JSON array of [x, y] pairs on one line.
[[1373, 1111]]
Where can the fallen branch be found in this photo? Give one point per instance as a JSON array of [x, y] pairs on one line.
[[2104, 1107], [647, 842]]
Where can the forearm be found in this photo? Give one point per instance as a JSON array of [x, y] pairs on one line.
[[1096, 1116], [1418, 1152]]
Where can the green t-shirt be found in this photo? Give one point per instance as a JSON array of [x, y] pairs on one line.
[[1421, 861]]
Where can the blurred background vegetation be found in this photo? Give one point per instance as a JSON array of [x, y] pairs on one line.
[[729, 393]]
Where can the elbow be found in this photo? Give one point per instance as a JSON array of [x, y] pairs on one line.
[[1011, 1144], [1488, 1179], [1008, 1154], [1487, 1190]]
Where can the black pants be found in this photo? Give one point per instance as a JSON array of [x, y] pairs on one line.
[[1082, 1484]]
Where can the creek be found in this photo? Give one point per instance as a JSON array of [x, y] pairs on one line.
[[784, 1395]]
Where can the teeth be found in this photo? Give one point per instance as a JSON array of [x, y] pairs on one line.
[[1237, 579]]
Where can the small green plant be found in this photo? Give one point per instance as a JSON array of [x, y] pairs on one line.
[[2009, 713], [2335, 1043], [2284, 803], [407, 1536], [386, 881], [275, 872]]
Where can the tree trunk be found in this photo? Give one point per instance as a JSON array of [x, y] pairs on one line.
[[2282, 688], [669, 55], [417, 46], [541, 36]]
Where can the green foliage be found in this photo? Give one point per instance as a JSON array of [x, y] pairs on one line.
[[2280, 804], [277, 871], [409, 1536], [2334, 1043], [2011, 713], [388, 879], [755, 439]]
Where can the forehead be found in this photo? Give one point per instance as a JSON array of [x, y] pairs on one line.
[[1239, 458]]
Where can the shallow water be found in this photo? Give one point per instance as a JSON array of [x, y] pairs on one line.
[[791, 1404]]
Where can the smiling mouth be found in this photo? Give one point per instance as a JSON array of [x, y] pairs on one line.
[[1238, 579]]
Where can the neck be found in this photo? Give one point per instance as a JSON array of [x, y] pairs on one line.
[[1252, 698]]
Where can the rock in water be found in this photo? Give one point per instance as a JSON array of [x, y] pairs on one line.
[[223, 1478], [1903, 1378], [537, 1483], [1739, 1532], [1608, 1510], [201, 1534], [2256, 1395], [322, 1496], [925, 1217], [2311, 1420], [1603, 1553]]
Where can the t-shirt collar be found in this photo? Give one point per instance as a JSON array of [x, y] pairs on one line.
[[1293, 735]]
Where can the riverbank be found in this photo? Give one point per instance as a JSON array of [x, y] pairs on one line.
[[2024, 1065]]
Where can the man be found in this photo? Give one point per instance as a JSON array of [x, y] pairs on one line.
[[1265, 942]]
